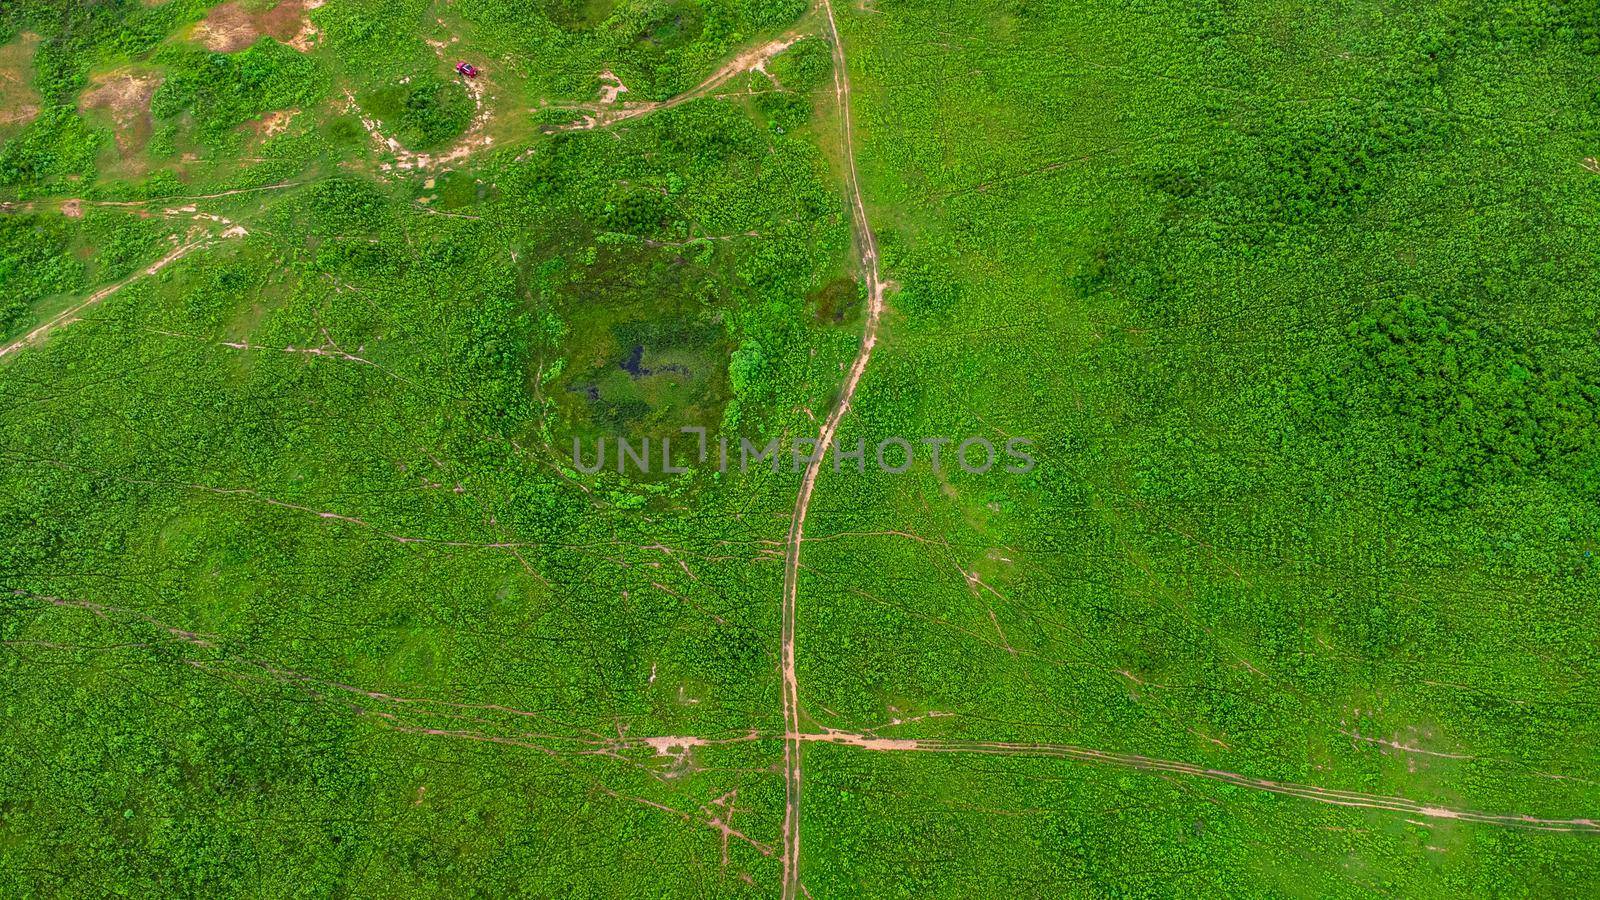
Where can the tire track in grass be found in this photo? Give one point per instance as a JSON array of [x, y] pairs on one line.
[[1334, 797], [74, 312]]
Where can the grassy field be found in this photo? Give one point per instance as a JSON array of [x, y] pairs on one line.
[[301, 593], [1315, 395]]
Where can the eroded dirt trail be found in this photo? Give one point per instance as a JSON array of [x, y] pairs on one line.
[[211, 230], [441, 719], [608, 111], [867, 246]]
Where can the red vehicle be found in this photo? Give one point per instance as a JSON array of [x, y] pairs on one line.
[[467, 69]]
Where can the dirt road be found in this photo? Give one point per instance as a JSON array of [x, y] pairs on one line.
[[493, 723], [867, 246]]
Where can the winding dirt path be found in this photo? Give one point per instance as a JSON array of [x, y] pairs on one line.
[[608, 111], [199, 237], [867, 246], [72, 207]]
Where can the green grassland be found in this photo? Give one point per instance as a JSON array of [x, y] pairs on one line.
[[334, 447], [301, 594], [1316, 398]]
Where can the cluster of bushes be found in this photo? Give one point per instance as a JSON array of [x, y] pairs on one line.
[[34, 263], [56, 145], [491, 370], [78, 34], [1531, 21], [345, 205], [805, 66], [1464, 403], [425, 113], [223, 91]]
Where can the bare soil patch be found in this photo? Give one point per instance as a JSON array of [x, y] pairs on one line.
[[273, 123], [19, 103], [230, 27], [125, 96]]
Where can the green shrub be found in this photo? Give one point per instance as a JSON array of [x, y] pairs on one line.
[[56, 144], [224, 91], [34, 263], [426, 113]]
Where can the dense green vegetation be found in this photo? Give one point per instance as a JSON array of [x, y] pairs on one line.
[[302, 594], [35, 264], [428, 113]]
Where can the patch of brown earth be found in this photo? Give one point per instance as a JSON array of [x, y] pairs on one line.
[[125, 96], [283, 21], [273, 123], [230, 27], [18, 101]]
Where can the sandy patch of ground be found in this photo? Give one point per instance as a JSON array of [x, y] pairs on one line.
[[230, 27], [18, 101], [611, 87], [273, 123], [306, 37], [125, 96]]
